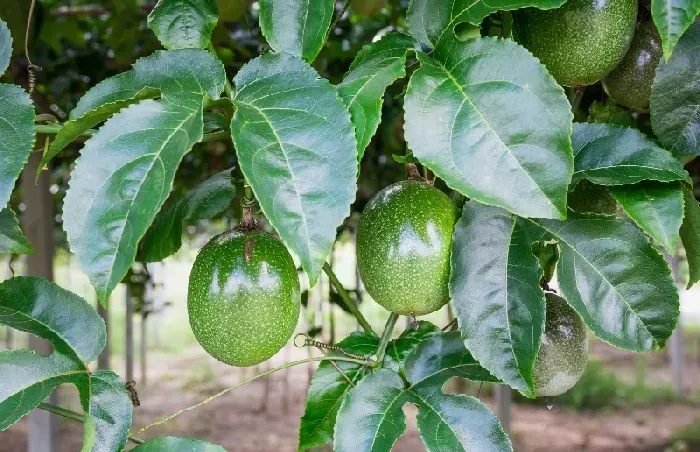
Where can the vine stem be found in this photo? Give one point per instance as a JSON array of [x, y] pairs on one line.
[[577, 97], [253, 378], [346, 5], [386, 337], [53, 129], [228, 89], [352, 307], [68, 414]]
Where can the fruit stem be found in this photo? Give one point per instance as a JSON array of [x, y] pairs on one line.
[[349, 303], [68, 414], [576, 98], [412, 172], [253, 378], [386, 337]]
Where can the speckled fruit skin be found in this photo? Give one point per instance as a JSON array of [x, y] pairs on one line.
[[231, 10], [368, 7], [629, 84], [404, 238], [564, 351], [580, 42], [243, 303]]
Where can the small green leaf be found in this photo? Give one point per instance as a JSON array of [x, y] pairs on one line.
[[672, 19], [690, 235], [121, 180], [495, 290], [611, 155], [376, 67], [296, 27], [655, 207], [214, 121], [184, 24], [675, 97], [16, 136], [173, 444], [12, 241], [547, 255], [499, 136], [208, 199], [428, 20], [109, 413], [5, 46], [398, 350], [296, 147]]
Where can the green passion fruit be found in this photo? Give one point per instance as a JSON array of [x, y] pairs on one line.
[[404, 238], [629, 84], [563, 354], [580, 42], [232, 10], [244, 297], [368, 7]]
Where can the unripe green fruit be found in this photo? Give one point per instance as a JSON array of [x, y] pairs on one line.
[[629, 84], [368, 7], [563, 354], [232, 10], [580, 42], [404, 238], [244, 297]]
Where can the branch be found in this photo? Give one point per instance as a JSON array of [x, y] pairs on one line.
[[349, 303], [386, 337]]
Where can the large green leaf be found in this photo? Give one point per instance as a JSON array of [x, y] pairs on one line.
[[12, 241], [429, 20], [690, 235], [184, 24], [5, 46], [616, 280], [208, 199], [16, 136], [173, 444], [656, 207], [611, 155], [296, 146], [672, 19], [499, 136], [296, 27], [495, 290], [109, 413], [163, 73], [121, 180], [675, 96], [376, 67]]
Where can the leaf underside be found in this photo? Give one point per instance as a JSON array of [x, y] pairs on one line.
[[184, 24]]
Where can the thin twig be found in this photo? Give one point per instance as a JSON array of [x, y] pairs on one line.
[[346, 5], [386, 337], [450, 325], [347, 301]]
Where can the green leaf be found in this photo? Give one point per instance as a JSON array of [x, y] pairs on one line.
[[214, 121], [12, 241], [499, 136], [208, 199], [109, 414], [690, 235], [611, 155], [495, 291], [614, 278], [5, 46], [672, 19], [655, 207], [398, 350], [328, 387], [121, 180], [173, 444], [428, 20], [297, 149], [184, 24], [16, 136], [376, 67], [296, 27], [163, 73], [675, 96]]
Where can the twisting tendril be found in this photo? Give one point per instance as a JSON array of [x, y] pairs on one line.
[[31, 67]]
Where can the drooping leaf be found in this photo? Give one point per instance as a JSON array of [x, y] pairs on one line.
[[690, 235], [214, 121], [655, 207], [109, 414], [296, 27], [611, 155], [121, 180], [296, 147], [173, 444], [376, 67], [184, 24], [495, 290], [499, 136], [5, 46], [162, 73], [328, 388], [164, 237], [429, 20], [675, 96], [672, 19], [16, 136], [12, 241]]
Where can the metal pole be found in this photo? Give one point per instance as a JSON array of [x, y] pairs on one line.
[[503, 402], [676, 340], [129, 334]]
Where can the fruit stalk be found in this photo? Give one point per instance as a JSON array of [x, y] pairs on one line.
[[352, 307], [386, 337]]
